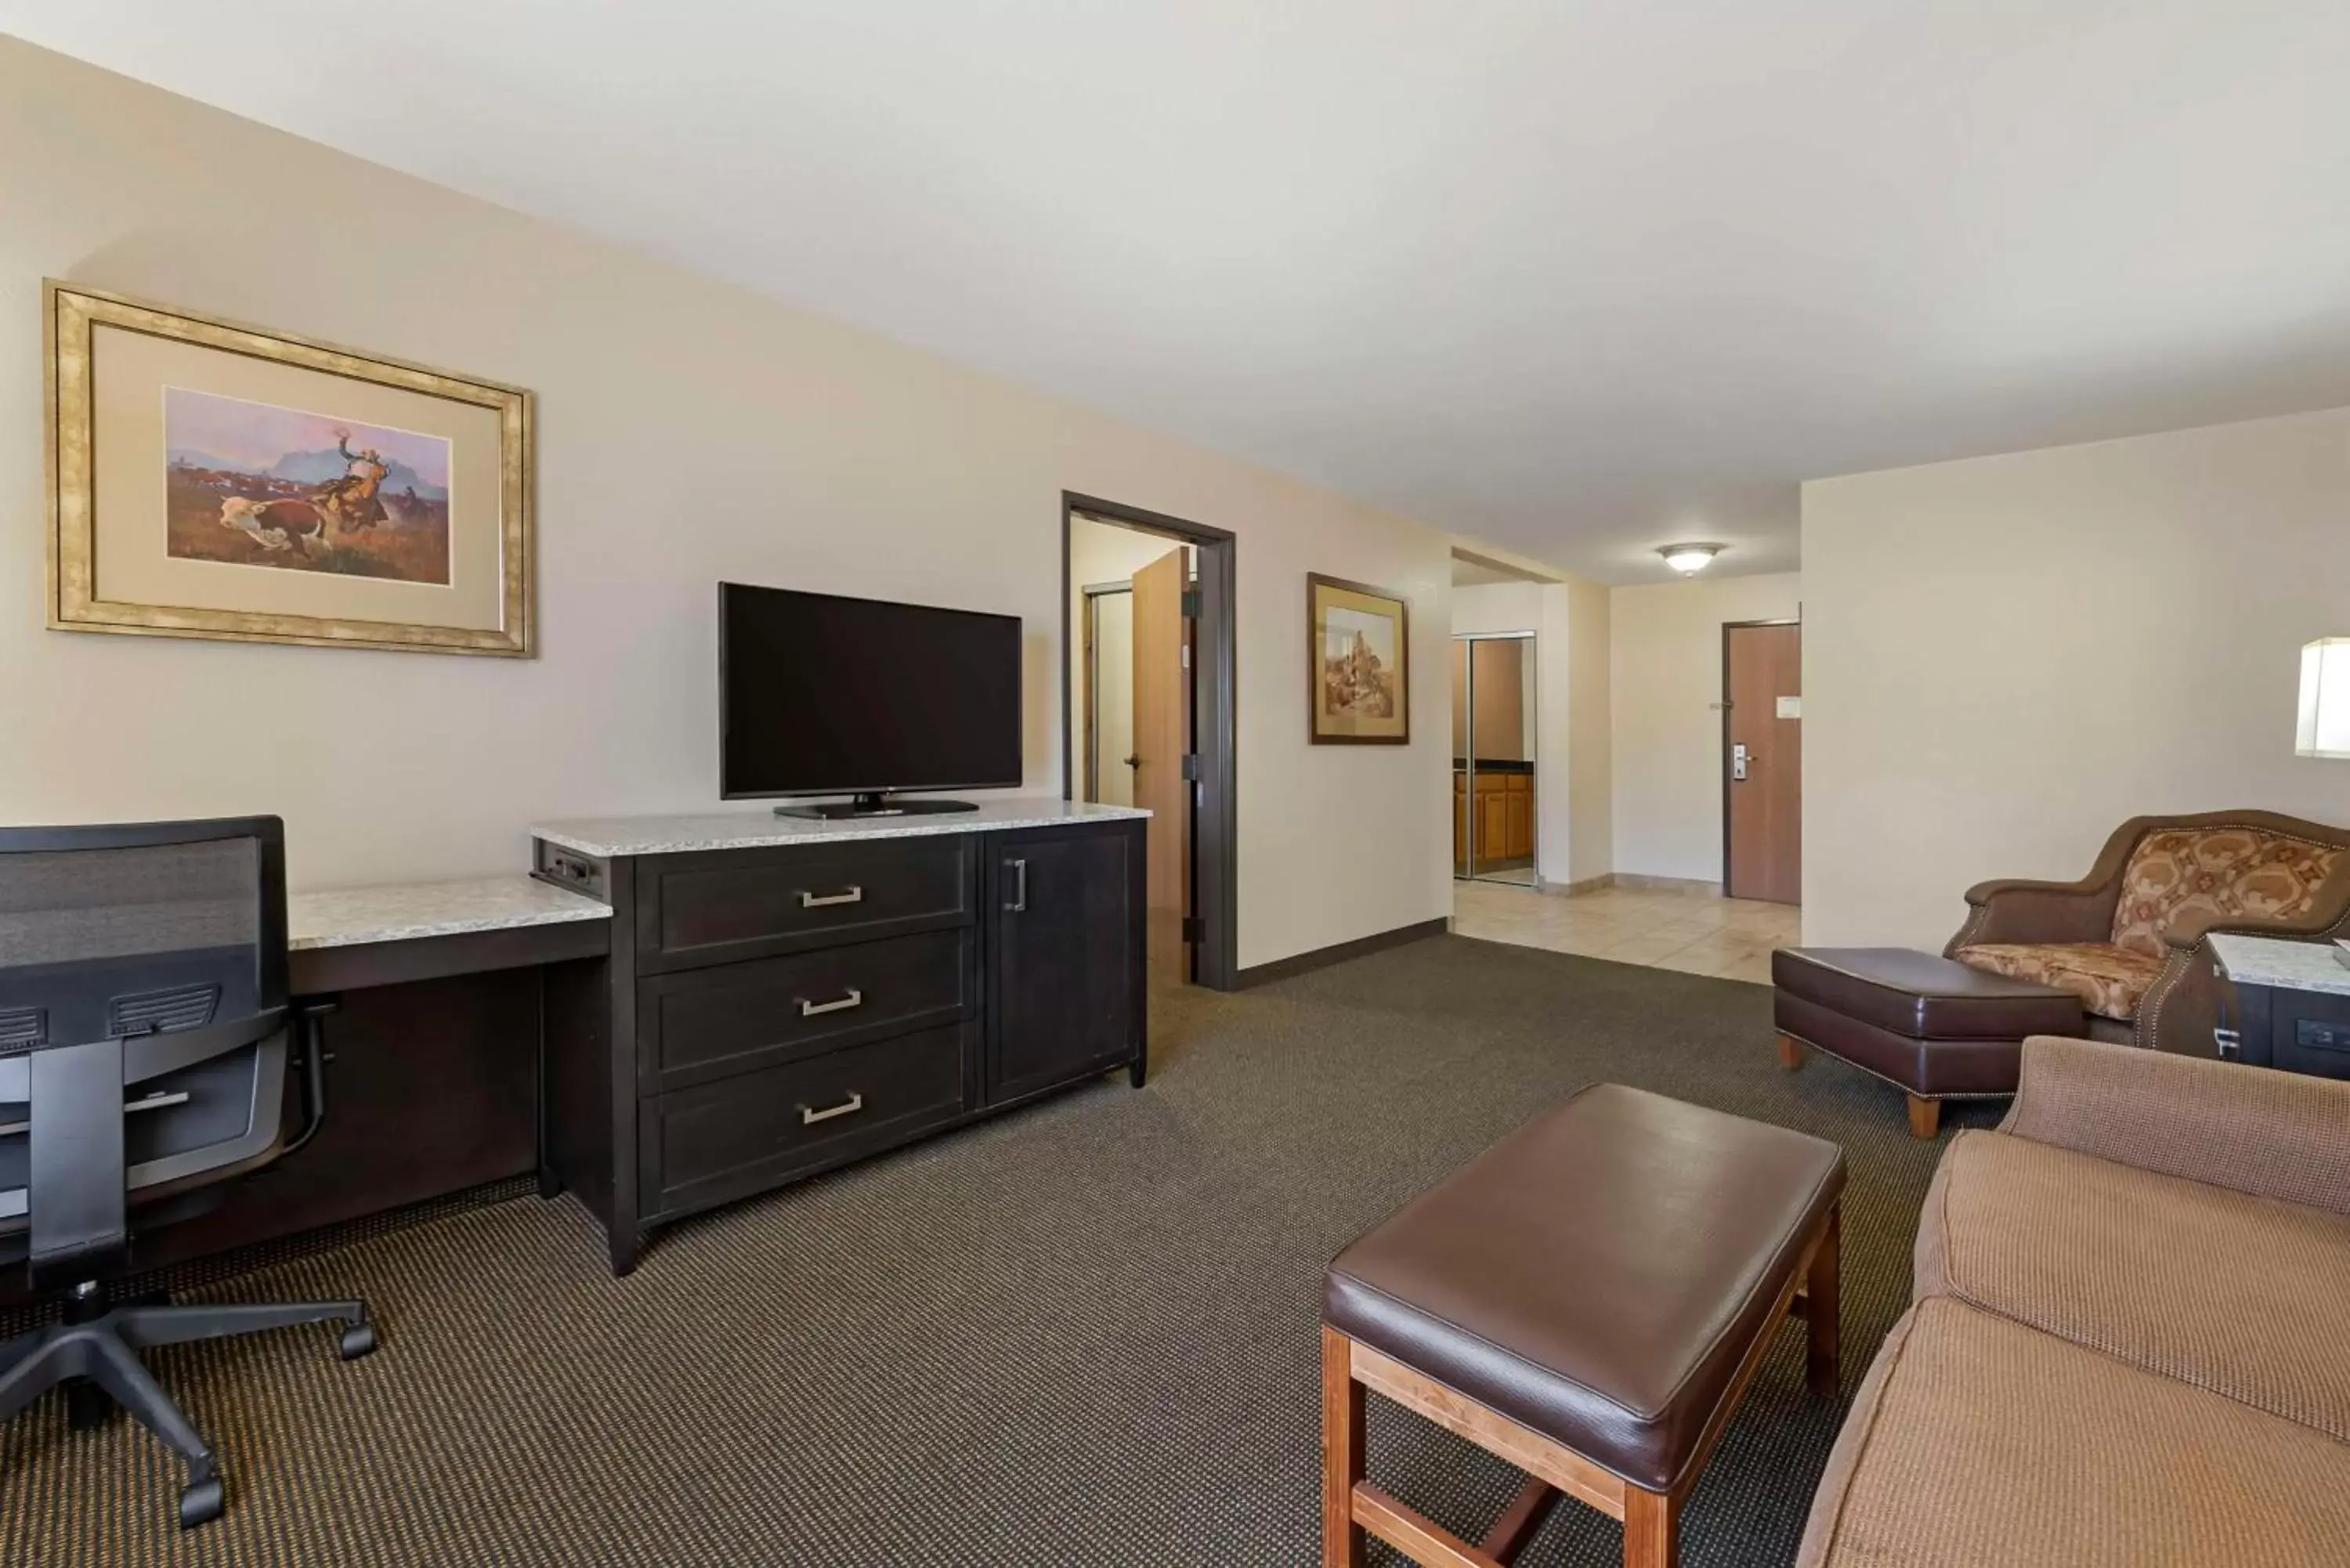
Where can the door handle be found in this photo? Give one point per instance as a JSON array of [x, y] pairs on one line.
[[1019, 869], [809, 1116], [814, 901], [1134, 761], [810, 1009], [1738, 763]]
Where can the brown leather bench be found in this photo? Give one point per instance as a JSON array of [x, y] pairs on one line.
[[1587, 1299], [1932, 1027]]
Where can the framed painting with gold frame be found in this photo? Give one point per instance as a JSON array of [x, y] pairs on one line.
[[1358, 657], [212, 479]]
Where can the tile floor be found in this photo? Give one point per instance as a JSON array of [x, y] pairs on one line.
[[1730, 938]]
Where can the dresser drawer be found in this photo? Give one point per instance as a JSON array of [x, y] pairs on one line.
[[699, 1024], [724, 1140], [754, 903]]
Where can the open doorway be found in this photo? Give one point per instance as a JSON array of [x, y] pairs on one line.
[[1147, 713], [1493, 756]]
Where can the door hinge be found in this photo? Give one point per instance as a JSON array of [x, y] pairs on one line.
[[1190, 603], [1195, 929], [1191, 766]]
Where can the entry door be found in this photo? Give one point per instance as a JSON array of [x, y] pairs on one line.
[[1162, 738], [1764, 683]]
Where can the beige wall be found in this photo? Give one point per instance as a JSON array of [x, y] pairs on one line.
[[2005, 657], [689, 432], [1577, 619], [1665, 659]]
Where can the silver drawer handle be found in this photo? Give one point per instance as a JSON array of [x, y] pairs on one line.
[[812, 901], [810, 1009], [848, 1106]]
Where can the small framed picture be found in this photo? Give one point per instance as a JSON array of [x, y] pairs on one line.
[[217, 481], [1358, 657]]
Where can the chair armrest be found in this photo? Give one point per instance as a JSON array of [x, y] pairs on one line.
[[2268, 1134], [2014, 910]]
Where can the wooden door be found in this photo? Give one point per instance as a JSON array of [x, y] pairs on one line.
[[1763, 668], [1162, 737], [1061, 935]]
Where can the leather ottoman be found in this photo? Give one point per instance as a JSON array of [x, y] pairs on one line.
[[1931, 1026], [1587, 1299]]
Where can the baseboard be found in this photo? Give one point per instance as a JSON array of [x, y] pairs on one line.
[[1688, 885], [1339, 952], [1587, 885]]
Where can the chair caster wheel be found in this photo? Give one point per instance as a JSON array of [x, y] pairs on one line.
[[357, 1340], [201, 1503]]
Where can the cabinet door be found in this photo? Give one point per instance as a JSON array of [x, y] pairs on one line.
[[1067, 929], [1521, 825]]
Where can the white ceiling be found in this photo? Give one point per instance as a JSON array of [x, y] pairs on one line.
[[1577, 278]]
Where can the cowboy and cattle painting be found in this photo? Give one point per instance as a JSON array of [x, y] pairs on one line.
[[259, 485], [213, 479]]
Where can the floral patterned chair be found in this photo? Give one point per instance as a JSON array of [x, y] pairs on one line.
[[2128, 938]]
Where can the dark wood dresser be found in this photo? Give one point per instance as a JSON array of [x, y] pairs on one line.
[[783, 996]]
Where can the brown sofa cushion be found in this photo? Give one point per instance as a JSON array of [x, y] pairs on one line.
[[2109, 981], [2241, 1295], [1976, 1440], [2235, 872]]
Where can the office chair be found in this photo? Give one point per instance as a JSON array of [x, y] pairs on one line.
[[144, 1045]]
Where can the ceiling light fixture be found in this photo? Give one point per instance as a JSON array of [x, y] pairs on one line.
[[1689, 559]]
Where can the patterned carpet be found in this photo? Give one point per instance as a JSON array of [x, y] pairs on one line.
[[1082, 1335]]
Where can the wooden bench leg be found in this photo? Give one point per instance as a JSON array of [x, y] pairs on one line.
[[1342, 1452], [1822, 1330], [1791, 1051], [1519, 1522], [1652, 1530], [1925, 1116]]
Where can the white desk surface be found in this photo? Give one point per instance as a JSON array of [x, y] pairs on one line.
[[346, 916], [2290, 966], [610, 835]]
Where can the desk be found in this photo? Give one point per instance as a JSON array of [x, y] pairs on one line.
[[440, 992]]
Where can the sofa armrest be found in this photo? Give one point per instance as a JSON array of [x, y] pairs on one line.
[[2012, 910], [2268, 1133], [2017, 909]]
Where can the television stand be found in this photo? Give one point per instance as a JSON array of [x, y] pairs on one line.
[[875, 803]]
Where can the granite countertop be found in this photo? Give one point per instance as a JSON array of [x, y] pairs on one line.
[[2290, 966], [346, 916], [610, 835]]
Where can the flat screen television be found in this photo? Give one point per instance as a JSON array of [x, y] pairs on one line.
[[821, 695]]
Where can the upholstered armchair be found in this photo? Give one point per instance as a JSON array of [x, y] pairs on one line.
[[2129, 939]]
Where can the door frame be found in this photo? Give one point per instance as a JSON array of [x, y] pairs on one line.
[[1727, 628], [1468, 734], [1215, 817]]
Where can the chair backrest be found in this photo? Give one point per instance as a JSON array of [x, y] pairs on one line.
[[2243, 870], [149, 958]]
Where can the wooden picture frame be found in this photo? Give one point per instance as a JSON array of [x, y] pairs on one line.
[[398, 515], [1358, 664]]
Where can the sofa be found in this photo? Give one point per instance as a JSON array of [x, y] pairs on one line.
[[2129, 939], [2124, 1344]]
